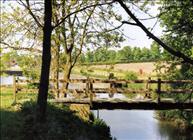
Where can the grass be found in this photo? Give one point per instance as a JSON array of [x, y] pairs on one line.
[[18, 122]]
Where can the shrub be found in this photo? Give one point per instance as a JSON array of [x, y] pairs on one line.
[[131, 76], [90, 70]]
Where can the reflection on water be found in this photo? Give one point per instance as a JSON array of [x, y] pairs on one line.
[[167, 130], [139, 125]]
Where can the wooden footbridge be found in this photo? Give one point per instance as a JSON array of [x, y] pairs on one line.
[[151, 97]]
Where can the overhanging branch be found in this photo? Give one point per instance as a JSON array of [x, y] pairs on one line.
[[166, 47]]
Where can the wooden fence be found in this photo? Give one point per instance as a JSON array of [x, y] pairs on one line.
[[114, 87]]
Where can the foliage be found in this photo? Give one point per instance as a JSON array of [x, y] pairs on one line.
[[30, 65], [178, 24], [131, 76], [126, 54], [182, 119], [7, 60], [177, 20]]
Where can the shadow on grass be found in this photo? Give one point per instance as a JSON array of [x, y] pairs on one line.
[[10, 122], [61, 124]]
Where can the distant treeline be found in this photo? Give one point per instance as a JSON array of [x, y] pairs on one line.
[[126, 55]]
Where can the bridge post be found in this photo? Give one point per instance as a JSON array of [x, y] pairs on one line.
[[148, 88], [87, 87], [112, 87], [158, 90]]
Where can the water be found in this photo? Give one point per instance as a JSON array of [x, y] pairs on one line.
[[139, 125]]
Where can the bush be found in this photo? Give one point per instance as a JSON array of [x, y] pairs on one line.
[[90, 70], [131, 76], [83, 72]]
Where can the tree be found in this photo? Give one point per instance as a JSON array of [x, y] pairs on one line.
[[73, 34], [146, 54], [178, 23], [155, 51], [6, 60], [29, 64], [18, 31], [47, 28], [46, 59], [79, 31], [125, 54], [137, 53]]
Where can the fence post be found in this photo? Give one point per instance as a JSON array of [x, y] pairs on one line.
[[158, 90], [14, 89], [91, 91]]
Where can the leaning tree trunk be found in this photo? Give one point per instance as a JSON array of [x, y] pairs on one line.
[[55, 69], [45, 68], [67, 71]]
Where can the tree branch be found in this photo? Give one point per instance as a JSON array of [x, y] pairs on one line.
[[169, 49], [27, 6], [80, 10], [130, 23], [107, 30], [83, 36], [19, 48]]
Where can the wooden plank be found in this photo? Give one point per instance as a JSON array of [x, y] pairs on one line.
[[116, 81], [140, 105], [127, 91], [177, 81], [177, 91], [70, 101], [123, 81], [127, 104]]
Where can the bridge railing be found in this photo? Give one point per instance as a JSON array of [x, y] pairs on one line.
[[113, 89], [90, 90]]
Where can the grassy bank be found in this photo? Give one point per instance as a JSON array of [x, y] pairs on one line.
[[18, 121], [182, 119]]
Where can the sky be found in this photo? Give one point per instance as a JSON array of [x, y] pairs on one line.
[[136, 34]]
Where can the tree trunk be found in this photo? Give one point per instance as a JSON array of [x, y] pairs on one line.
[[57, 70], [67, 72], [45, 68]]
